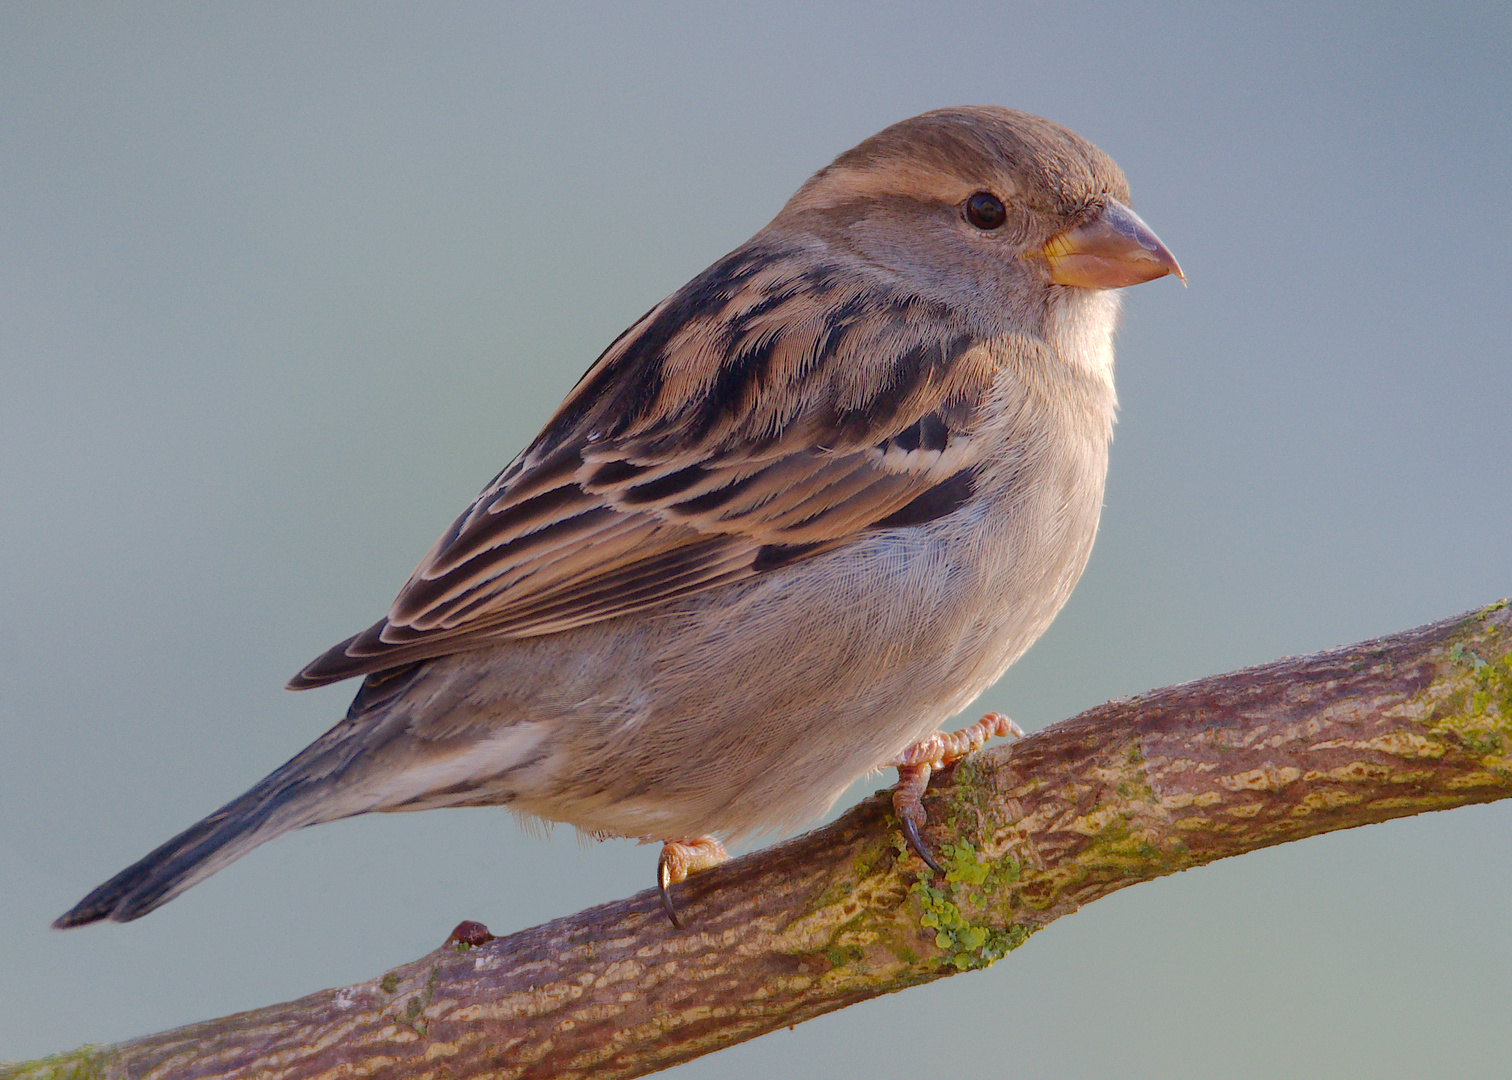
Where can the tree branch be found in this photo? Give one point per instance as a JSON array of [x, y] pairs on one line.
[[1126, 792]]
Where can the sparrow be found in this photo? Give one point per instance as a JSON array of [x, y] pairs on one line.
[[799, 514]]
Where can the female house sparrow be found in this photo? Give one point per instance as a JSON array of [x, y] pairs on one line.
[[804, 510]]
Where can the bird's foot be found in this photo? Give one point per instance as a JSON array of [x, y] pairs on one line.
[[679, 858], [933, 752]]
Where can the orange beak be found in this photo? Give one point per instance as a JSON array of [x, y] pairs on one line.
[[1111, 251]]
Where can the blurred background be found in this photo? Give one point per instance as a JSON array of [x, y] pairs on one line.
[[284, 286]]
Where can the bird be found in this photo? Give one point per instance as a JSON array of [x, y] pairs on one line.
[[797, 516]]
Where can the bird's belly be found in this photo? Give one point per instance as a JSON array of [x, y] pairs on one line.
[[753, 707]]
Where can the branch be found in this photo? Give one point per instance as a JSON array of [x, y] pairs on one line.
[[1126, 792]]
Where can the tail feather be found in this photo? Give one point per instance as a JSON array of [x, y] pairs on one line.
[[197, 852], [313, 787], [340, 774]]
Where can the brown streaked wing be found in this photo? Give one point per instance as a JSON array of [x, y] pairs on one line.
[[830, 409]]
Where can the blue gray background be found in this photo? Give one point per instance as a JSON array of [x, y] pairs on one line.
[[283, 286]]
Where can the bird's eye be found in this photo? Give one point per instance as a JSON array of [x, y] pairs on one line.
[[985, 211]]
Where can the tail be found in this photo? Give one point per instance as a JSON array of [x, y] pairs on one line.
[[307, 790], [193, 854]]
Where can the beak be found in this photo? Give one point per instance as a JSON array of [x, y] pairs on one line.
[[1112, 250]]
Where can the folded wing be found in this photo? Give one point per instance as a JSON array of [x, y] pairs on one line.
[[771, 410]]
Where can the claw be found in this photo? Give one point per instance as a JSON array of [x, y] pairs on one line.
[[935, 751], [664, 881], [920, 848], [679, 858]]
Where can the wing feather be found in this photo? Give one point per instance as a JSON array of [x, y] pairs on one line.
[[772, 409]]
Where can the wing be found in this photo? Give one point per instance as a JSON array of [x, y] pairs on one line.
[[772, 409]]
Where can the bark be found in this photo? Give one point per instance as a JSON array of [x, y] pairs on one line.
[[1029, 831]]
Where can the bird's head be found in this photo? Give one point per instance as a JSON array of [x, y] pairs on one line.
[[991, 210]]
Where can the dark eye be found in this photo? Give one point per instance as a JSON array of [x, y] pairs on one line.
[[985, 211]]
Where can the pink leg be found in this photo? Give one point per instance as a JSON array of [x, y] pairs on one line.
[[679, 858], [933, 752]]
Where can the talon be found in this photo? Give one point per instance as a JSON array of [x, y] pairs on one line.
[[664, 880], [679, 858], [920, 848]]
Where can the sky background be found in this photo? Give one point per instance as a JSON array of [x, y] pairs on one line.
[[281, 287]]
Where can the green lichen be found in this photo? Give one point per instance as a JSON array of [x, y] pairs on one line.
[[416, 1005], [1118, 850], [843, 955], [85, 1063], [870, 872], [866, 863], [1479, 714], [969, 797], [973, 882], [1136, 787]]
